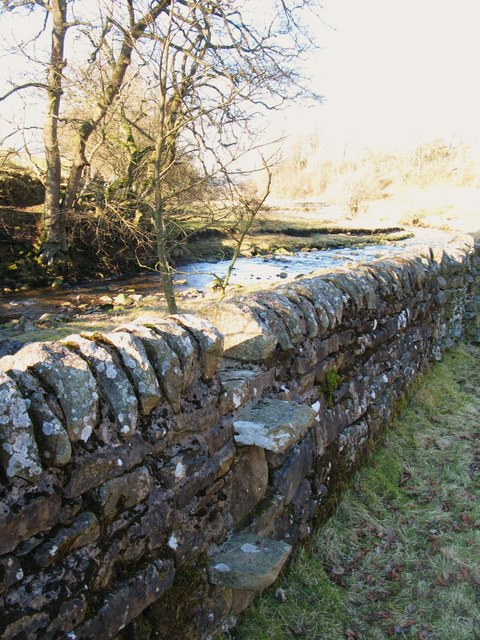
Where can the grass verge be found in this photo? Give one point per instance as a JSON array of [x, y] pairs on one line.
[[401, 556]]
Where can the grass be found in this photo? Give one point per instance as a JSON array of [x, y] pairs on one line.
[[400, 557]]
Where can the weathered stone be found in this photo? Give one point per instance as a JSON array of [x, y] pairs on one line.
[[134, 358], [197, 421], [84, 530], [46, 590], [247, 337], [155, 519], [309, 293], [219, 436], [10, 572], [128, 601], [199, 484], [247, 482], [18, 448], [275, 425], [163, 359], [289, 312], [127, 490], [90, 472], [248, 562], [235, 394], [69, 376], [306, 307], [52, 439], [112, 382], [274, 321], [329, 301], [180, 341], [266, 514], [240, 385], [210, 341], [27, 627], [297, 466], [352, 440], [70, 614], [39, 514], [241, 599]]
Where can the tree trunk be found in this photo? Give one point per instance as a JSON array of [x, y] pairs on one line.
[[164, 267], [54, 246]]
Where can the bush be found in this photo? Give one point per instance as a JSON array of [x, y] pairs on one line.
[[20, 189]]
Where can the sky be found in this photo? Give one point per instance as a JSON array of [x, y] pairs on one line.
[[393, 73]]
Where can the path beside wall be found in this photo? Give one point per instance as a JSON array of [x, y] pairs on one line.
[[154, 479]]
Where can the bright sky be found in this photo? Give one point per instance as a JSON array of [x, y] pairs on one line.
[[396, 71], [393, 72]]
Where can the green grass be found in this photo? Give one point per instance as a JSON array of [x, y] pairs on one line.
[[400, 558]]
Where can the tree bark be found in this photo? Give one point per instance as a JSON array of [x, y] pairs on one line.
[[54, 245]]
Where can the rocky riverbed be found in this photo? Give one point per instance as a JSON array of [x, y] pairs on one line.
[[33, 314]]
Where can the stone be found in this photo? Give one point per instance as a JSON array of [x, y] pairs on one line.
[[297, 466], [274, 425], [84, 530], [155, 520], [247, 482], [127, 491], [210, 341], [196, 473], [134, 358], [248, 562], [71, 614], [112, 382], [164, 361], [241, 599], [91, 471], [307, 309], [27, 627], [329, 302], [179, 340], [247, 337], [37, 515], [269, 510], [275, 321], [287, 310], [128, 601], [241, 385], [235, 393], [52, 439], [70, 378], [18, 449], [10, 572]]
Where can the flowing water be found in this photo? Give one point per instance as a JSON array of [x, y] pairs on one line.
[[198, 276]]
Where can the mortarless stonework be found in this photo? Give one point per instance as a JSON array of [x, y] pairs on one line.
[[152, 485]]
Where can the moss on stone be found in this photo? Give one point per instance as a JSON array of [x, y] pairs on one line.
[[330, 384]]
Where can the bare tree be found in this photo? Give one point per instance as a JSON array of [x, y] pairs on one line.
[[54, 246], [206, 69], [214, 71]]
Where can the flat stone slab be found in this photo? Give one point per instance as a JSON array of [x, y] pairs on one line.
[[248, 562], [274, 425]]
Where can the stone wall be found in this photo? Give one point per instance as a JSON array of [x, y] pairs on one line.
[[155, 478]]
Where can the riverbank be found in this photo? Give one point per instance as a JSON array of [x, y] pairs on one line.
[[400, 557], [42, 314]]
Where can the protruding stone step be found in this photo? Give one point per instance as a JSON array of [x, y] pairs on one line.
[[241, 385], [274, 425], [248, 562]]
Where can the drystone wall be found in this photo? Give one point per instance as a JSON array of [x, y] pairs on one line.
[[154, 479]]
